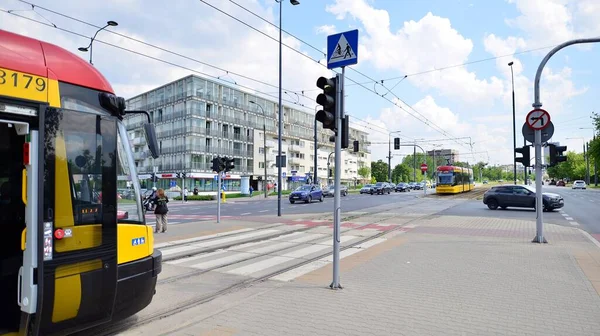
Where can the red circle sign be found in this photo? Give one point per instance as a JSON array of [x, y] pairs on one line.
[[59, 234], [423, 166], [538, 119]]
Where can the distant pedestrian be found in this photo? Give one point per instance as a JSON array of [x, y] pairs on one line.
[[251, 191], [195, 191], [161, 211], [185, 193]]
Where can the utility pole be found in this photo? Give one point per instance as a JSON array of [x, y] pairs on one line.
[[586, 154], [414, 164], [316, 175], [513, 124]]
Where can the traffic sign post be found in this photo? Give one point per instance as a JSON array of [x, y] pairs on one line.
[[342, 50]]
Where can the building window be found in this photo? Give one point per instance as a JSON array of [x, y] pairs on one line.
[[261, 150], [261, 165]]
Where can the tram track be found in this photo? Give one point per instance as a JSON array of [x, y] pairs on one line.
[[201, 299], [265, 238]]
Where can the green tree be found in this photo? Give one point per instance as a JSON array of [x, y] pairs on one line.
[[573, 169], [379, 170], [364, 172], [400, 173]]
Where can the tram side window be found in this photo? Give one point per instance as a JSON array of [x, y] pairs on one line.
[[84, 158]]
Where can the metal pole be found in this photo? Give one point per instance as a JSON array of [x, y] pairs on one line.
[[595, 166], [587, 162], [514, 127], [524, 167], [539, 237], [265, 154], [316, 175], [390, 158], [335, 284], [182, 189], [279, 179], [218, 197], [415, 164]]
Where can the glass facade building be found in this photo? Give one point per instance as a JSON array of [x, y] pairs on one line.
[[198, 119]]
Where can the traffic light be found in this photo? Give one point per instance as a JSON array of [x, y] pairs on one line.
[[327, 99], [396, 143], [525, 150], [556, 154], [183, 175], [178, 175], [355, 144], [229, 164], [345, 131], [217, 164]]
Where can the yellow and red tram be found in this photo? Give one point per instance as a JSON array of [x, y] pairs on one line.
[[453, 180], [73, 254]]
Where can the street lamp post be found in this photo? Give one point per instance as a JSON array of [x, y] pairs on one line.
[[264, 144], [513, 124], [279, 141], [90, 46]]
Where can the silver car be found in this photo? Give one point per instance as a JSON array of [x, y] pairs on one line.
[[579, 184]]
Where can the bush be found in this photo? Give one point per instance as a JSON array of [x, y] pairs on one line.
[[196, 198]]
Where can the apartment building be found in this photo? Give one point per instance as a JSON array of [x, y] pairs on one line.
[[198, 119], [448, 154]]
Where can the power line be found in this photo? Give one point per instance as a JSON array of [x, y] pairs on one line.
[[153, 46], [426, 121], [139, 53]]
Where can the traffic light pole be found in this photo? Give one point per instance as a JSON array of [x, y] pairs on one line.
[[218, 197], [539, 236], [337, 210]]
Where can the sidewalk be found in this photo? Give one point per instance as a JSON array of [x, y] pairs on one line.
[[447, 276]]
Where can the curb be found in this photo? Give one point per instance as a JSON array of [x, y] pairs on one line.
[[589, 236]]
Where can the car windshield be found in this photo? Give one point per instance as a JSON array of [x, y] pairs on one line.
[[379, 184], [303, 188], [367, 185]]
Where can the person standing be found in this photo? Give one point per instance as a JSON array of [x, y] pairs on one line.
[[161, 211]]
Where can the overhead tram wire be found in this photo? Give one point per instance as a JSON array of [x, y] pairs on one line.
[[140, 54], [426, 121], [154, 46]]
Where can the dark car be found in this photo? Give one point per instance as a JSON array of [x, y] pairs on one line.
[[415, 186], [306, 193], [382, 188], [367, 189], [519, 196], [330, 190], [402, 187]]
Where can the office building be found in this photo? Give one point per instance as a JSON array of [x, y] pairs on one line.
[[444, 156], [198, 119]]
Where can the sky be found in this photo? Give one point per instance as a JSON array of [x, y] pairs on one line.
[[435, 70]]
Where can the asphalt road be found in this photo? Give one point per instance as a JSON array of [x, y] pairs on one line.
[[580, 210], [194, 211]]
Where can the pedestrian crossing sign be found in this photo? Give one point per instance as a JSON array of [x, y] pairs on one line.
[[342, 49]]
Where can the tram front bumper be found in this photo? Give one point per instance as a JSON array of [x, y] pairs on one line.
[[137, 285]]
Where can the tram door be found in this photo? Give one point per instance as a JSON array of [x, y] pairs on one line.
[[78, 228]]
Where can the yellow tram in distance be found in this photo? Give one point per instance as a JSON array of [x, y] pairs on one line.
[[453, 180], [74, 254]]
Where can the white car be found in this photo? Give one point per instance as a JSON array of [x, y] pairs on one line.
[[579, 184]]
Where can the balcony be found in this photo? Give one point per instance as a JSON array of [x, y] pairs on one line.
[[294, 160], [138, 141]]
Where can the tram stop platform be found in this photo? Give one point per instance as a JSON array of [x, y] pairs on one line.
[[448, 275]]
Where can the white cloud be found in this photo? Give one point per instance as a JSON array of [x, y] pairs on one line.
[[326, 29], [406, 52], [210, 37]]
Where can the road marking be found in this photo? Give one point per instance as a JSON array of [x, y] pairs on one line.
[[574, 223], [197, 239], [263, 210], [246, 214], [569, 218], [564, 214], [216, 242], [296, 272], [255, 252], [273, 261]]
